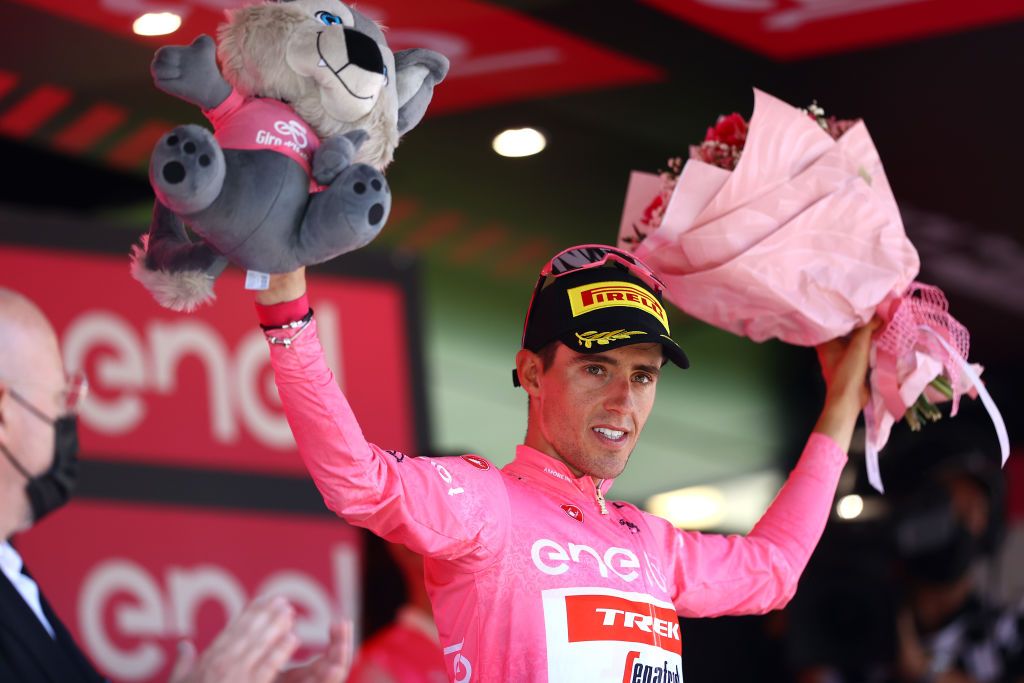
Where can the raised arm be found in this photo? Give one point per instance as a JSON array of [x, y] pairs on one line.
[[439, 507], [717, 575]]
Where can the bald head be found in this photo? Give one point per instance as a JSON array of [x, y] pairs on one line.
[[30, 343], [31, 369]]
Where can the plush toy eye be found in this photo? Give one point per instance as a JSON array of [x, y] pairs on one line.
[[386, 79], [329, 19]]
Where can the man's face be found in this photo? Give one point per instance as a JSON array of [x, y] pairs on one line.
[[588, 409], [29, 438]]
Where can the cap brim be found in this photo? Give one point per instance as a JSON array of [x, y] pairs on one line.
[[672, 350]]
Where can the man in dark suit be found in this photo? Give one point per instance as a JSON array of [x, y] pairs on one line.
[[38, 467]]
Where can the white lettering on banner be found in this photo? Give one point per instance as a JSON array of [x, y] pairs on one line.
[[171, 343], [192, 587], [130, 365], [143, 618], [123, 373], [150, 615], [557, 559]]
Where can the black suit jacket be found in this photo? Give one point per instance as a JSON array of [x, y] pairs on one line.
[[28, 653]]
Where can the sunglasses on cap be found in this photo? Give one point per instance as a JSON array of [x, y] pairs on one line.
[[584, 256]]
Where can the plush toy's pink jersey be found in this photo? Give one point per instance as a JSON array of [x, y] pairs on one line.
[[407, 651], [241, 122], [532, 574]]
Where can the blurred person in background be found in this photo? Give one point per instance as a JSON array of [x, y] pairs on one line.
[[406, 650], [950, 630], [903, 597], [38, 472]]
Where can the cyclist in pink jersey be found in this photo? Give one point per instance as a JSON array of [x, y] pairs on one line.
[[532, 573]]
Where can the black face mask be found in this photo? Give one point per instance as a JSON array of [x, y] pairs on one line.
[[53, 488]]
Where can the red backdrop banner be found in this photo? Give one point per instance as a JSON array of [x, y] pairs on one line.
[[131, 580], [197, 390]]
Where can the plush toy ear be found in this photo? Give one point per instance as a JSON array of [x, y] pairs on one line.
[[418, 71]]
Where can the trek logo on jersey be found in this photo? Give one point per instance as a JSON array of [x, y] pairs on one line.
[[611, 618], [573, 511], [592, 632], [477, 462], [638, 672], [587, 298]]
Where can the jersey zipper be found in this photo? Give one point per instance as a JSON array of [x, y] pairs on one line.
[[600, 497]]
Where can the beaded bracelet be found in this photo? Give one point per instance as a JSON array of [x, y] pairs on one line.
[[301, 324]]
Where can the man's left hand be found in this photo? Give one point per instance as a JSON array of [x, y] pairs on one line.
[[844, 364]]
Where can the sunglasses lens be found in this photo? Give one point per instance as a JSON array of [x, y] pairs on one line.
[[588, 256], [580, 257]]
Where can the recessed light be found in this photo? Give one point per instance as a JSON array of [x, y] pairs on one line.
[[850, 507], [694, 507], [157, 24], [519, 142]]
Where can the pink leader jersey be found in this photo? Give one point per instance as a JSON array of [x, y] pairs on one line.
[[241, 122], [532, 574]]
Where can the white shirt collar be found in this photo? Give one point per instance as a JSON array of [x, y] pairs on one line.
[[12, 564], [10, 561]]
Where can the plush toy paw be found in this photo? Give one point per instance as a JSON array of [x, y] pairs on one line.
[[187, 169], [191, 73], [336, 154], [367, 201]]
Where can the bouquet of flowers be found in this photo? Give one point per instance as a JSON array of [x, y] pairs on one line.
[[787, 228]]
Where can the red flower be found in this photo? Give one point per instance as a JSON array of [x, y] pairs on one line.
[[657, 203], [730, 130]]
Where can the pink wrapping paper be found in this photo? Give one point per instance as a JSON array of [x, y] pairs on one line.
[[802, 242]]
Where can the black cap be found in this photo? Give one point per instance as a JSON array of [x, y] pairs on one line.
[[599, 309]]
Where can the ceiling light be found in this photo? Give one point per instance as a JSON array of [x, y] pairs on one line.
[[850, 507], [157, 24], [694, 507], [519, 142]]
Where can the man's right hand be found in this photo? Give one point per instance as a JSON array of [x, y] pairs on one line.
[[283, 287], [252, 649]]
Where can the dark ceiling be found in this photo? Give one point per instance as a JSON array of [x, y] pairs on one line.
[[943, 111]]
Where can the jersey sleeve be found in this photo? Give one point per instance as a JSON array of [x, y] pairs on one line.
[[446, 508], [717, 575]]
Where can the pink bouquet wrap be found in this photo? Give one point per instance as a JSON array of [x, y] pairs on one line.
[[803, 242]]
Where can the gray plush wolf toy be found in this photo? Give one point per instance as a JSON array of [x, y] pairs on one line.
[[307, 114]]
